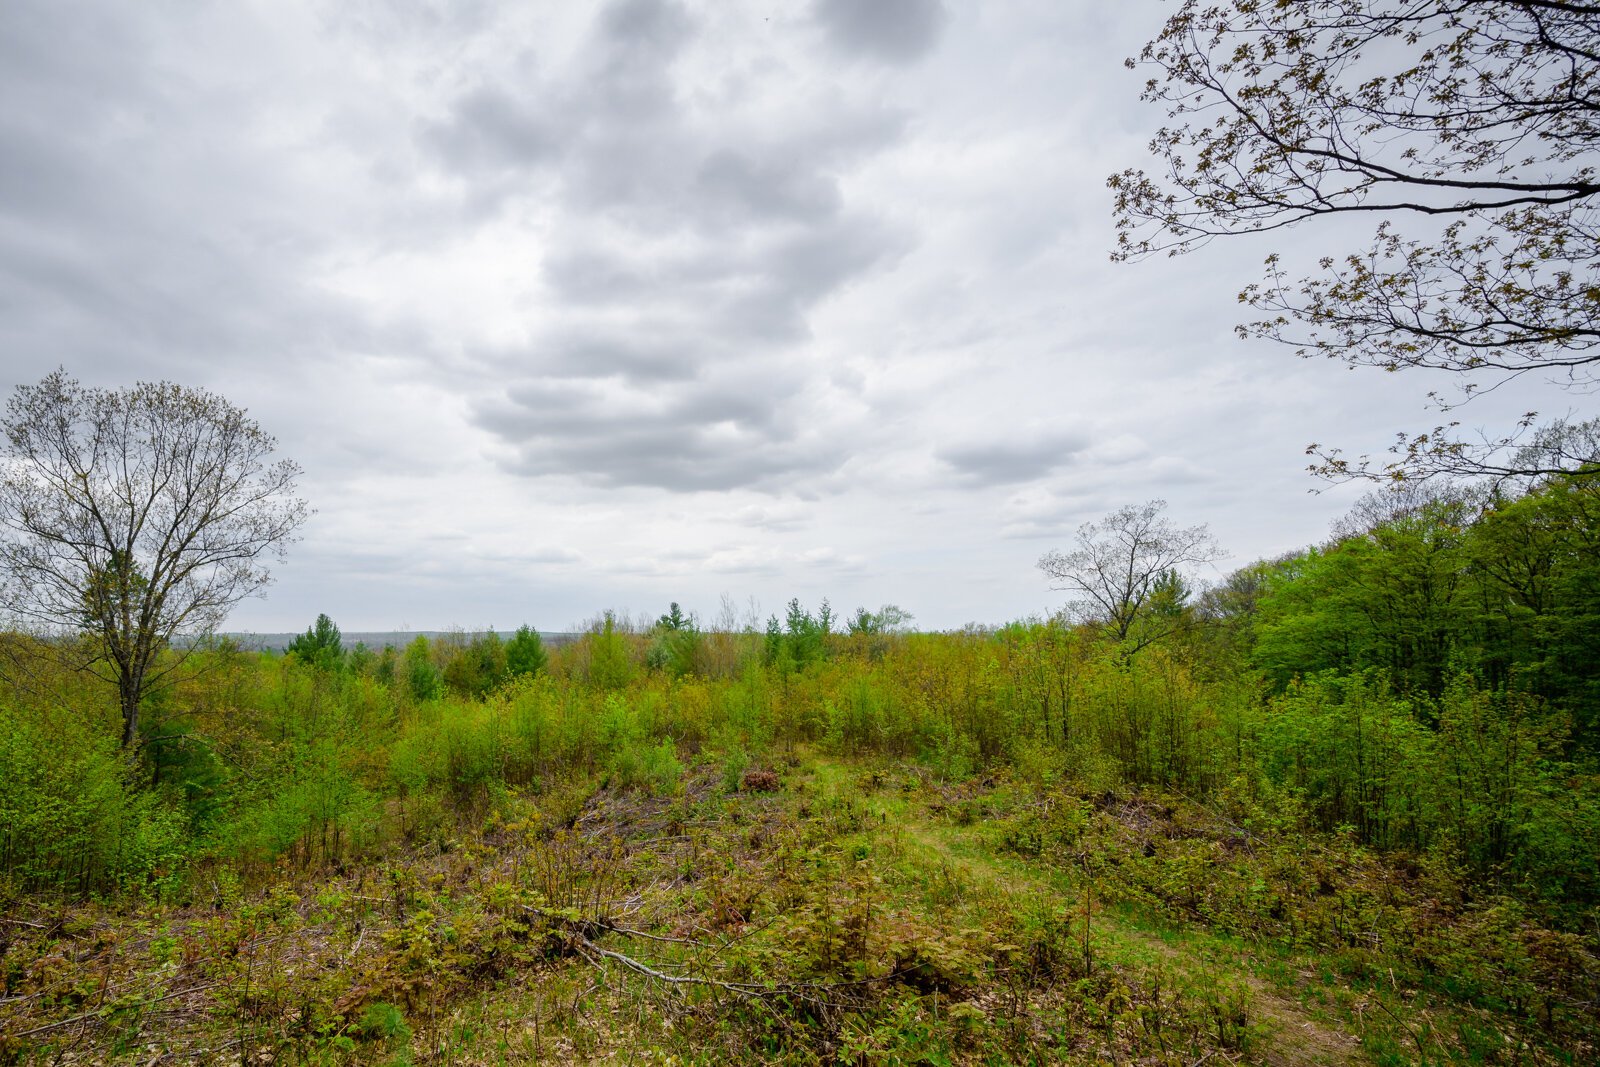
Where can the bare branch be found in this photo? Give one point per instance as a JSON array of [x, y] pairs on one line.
[[133, 516], [1126, 569], [1484, 115]]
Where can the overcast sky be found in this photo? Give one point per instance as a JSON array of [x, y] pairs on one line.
[[566, 307]]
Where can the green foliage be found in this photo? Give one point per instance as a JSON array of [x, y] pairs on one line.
[[610, 665], [525, 653], [1360, 811], [633, 758], [381, 1021], [1505, 589], [321, 644], [652, 768], [1359, 755], [133, 515], [800, 640], [422, 679], [73, 817], [1390, 597], [874, 625], [478, 666], [674, 619], [837, 824], [675, 644], [317, 812], [361, 659]]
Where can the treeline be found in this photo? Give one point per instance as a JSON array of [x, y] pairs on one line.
[[1425, 587], [1423, 683]]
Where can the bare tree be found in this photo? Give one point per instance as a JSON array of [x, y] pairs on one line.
[[1126, 569], [1468, 131], [129, 517]]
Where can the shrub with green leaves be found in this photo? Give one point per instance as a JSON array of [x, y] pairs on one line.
[[74, 817]]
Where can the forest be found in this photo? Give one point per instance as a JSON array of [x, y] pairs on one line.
[[1342, 806]]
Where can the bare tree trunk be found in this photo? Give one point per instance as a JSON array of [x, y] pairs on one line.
[[128, 687]]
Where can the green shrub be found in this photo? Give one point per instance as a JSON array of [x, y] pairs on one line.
[[73, 817]]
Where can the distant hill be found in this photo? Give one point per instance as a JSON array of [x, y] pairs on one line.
[[379, 638]]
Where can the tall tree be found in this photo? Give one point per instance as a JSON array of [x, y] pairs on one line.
[[1125, 570], [525, 652], [321, 645], [1390, 595], [674, 619], [891, 618], [130, 516], [1466, 130]]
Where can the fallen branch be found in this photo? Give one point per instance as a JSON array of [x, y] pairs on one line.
[[582, 932], [630, 932], [360, 934], [813, 993], [108, 1011], [741, 988]]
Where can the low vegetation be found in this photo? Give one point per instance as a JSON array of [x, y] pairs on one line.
[[1344, 809]]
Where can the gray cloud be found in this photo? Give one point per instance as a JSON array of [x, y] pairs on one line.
[[643, 29], [706, 248], [685, 439], [758, 286], [662, 454], [126, 239], [767, 190], [532, 557], [707, 337], [588, 275], [1049, 512], [893, 31], [637, 354], [776, 518], [639, 40], [1017, 458], [487, 128], [525, 271]]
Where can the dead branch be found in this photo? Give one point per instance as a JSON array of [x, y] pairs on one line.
[[58, 1024]]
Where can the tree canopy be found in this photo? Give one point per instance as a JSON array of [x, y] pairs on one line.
[[1466, 131], [321, 644], [1126, 571], [131, 516], [525, 652]]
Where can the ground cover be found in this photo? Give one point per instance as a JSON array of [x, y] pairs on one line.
[[814, 910]]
